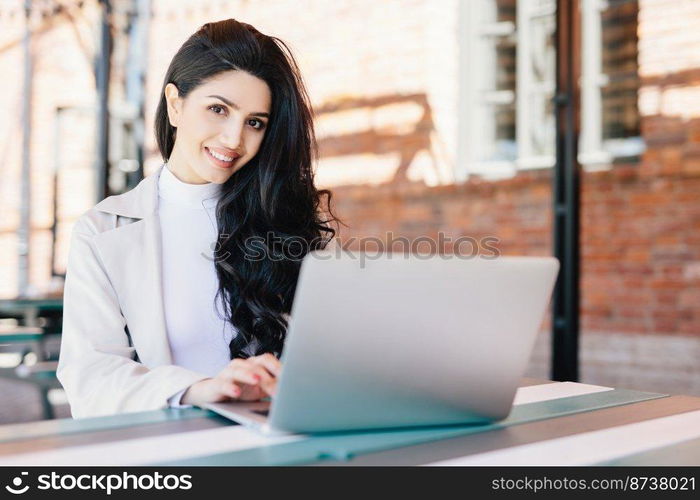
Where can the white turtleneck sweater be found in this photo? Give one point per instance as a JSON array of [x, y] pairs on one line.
[[198, 335]]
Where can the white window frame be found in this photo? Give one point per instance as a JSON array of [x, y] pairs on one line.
[[476, 118], [595, 153], [476, 123], [527, 10]]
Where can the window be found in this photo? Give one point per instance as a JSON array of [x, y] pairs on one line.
[[488, 86], [508, 77], [610, 128]]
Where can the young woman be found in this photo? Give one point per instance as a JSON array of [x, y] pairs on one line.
[[164, 304]]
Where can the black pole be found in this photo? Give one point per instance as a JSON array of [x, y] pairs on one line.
[[566, 187], [57, 168], [102, 74]]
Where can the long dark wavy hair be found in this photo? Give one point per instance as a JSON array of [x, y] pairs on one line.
[[271, 204]]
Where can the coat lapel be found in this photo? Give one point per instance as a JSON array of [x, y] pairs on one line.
[[131, 254]]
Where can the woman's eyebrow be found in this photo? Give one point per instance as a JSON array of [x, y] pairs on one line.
[[235, 106]]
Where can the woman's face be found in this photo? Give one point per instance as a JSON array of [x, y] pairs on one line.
[[220, 126]]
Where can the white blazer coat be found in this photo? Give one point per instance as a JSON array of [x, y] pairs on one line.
[[115, 356]]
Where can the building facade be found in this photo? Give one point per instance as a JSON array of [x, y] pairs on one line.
[[433, 117]]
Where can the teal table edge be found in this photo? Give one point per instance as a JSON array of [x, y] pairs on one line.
[[20, 304], [344, 446], [14, 338], [65, 426]]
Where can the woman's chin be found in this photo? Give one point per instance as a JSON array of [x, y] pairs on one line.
[[210, 174], [220, 177]]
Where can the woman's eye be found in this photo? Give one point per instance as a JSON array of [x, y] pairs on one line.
[[257, 124], [216, 108]]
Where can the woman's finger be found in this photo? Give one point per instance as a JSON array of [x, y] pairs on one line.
[[269, 362], [230, 389], [243, 373], [252, 374], [236, 362], [266, 381]]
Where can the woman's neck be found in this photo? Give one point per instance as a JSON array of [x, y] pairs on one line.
[[174, 190], [183, 171]]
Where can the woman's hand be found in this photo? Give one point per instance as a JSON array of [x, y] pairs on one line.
[[242, 379]]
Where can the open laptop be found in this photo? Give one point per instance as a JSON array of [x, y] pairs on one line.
[[398, 340]]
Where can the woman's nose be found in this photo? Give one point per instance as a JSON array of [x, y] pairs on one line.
[[232, 136]]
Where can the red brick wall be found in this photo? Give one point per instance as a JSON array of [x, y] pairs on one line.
[[641, 252], [640, 236]]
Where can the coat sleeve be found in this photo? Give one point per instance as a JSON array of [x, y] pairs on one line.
[[97, 365]]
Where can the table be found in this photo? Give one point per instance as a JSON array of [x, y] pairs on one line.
[[22, 336], [42, 373], [664, 427], [30, 310]]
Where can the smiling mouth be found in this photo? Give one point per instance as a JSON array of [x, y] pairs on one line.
[[219, 160]]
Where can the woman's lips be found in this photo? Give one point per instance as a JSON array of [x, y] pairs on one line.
[[220, 163]]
